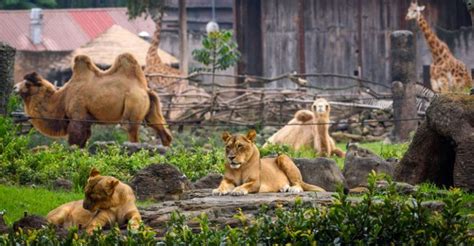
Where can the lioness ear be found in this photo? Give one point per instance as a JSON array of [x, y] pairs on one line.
[[251, 134], [112, 183], [226, 136], [94, 172]]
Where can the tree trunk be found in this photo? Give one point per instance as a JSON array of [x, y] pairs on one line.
[[7, 62], [403, 73]]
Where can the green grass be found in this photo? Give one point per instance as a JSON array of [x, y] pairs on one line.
[[15, 200]]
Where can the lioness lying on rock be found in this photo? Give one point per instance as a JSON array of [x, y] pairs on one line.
[[246, 173], [107, 201]]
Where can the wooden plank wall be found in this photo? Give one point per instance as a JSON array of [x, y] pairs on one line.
[[332, 36]]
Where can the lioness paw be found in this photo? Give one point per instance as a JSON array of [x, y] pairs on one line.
[[217, 192], [284, 188], [295, 189], [239, 192]]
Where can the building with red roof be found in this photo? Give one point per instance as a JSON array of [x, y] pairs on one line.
[[44, 38]]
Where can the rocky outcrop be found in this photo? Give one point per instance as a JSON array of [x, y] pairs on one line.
[[322, 172], [209, 181], [30, 222], [360, 162], [221, 209], [160, 182], [442, 149]]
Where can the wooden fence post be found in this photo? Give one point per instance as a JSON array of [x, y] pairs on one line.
[[403, 75], [7, 63]]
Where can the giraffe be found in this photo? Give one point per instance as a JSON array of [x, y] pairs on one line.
[[182, 92], [155, 65], [447, 73]]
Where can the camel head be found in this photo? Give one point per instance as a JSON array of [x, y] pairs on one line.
[[414, 12], [321, 107], [33, 84]]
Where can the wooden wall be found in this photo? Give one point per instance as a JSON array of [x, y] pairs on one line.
[[341, 36]]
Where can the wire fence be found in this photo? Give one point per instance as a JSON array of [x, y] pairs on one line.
[[249, 99], [248, 102]]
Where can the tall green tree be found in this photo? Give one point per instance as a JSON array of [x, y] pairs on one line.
[[152, 8], [27, 4]]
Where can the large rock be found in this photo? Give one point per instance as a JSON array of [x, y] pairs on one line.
[[3, 225], [360, 162], [210, 181], [63, 184], [442, 149], [160, 182], [221, 209], [323, 172], [30, 222]]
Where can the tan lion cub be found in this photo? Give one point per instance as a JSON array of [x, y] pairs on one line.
[[246, 173], [107, 201]]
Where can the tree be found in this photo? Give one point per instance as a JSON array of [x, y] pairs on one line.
[[219, 52], [27, 4], [154, 9]]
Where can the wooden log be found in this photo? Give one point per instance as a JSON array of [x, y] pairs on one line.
[[403, 75], [7, 63]]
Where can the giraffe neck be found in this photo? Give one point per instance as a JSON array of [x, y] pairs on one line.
[[152, 56], [437, 47]]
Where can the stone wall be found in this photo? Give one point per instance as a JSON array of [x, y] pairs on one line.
[[40, 62]]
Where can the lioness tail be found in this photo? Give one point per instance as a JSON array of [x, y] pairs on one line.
[[310, 187]]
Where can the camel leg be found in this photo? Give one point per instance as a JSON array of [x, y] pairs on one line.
[[78, 133], [133, 132]]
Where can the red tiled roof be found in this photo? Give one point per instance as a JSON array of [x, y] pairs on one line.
[[66, 29]]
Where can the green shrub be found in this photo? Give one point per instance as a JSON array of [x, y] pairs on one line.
[[381, 217]]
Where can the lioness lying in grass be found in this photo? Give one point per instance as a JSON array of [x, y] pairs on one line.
[[246, 173], [107, 201]]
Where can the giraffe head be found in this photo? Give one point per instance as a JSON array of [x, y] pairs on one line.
[[414, 12]]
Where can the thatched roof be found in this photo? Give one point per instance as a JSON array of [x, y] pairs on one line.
[[114, 41]]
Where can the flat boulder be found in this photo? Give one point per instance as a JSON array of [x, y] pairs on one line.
[[160, 182], [322, 172], [360, 162]]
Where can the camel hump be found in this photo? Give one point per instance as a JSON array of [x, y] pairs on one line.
[[83, 66], [304, 115], [127, 64]]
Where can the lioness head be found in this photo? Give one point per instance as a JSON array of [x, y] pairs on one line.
[[98, 192], [239, 148], [321, 107]]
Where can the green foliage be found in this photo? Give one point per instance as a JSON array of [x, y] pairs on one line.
[[380, 218], [276, 149], [16, 200], [137, 8], [27, 4], [218, 52], [47, 236]]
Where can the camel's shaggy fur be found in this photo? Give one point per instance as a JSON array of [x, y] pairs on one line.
[[315, 134], [119, 94]]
